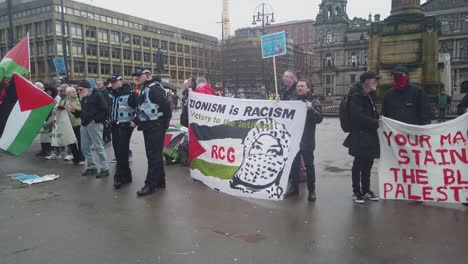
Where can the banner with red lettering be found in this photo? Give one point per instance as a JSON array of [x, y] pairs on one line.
[[244, 147], [424, 163]]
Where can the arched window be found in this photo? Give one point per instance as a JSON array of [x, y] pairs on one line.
[[329, 37]]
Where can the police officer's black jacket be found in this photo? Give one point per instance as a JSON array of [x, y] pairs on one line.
[[314, 117], [362, 140], [93, 108], [126, 89], [409, 105], [157, 95]]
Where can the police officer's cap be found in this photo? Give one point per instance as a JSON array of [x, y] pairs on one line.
[[142, 71], [115, 78]]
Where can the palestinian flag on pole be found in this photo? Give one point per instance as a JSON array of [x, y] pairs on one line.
[[27, 116], [16, 60]]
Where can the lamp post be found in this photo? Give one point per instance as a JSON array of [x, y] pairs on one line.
[[11, 42], [64, 41], [263, 13]]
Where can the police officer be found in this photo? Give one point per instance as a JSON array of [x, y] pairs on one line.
[[124, 102], [154, 114]]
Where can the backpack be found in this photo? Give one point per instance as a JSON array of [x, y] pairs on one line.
[[345, 116]]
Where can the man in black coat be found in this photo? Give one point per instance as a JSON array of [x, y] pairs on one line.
[[289, 82], [406, 102], [307, 147], [363, 141]]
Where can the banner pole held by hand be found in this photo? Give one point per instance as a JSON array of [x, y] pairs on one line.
[[276, 79]]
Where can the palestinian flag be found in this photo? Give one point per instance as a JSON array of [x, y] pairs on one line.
[[27, 116], [16, 60], [216, 151]]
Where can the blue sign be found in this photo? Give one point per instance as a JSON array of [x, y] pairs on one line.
[[274, 45], [60, 66]]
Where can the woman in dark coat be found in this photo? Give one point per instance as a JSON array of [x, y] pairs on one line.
[[363, 141]]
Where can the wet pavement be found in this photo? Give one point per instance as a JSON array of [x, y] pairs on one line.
[[79, 219]]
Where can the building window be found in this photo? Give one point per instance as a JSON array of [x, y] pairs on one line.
[[128, 70], [105, 69], [3, 36], [28, 29], [59, 48], [115, 37], [171, 46], [104, 52], [77, 49], [155, 43], [352, 78], [146, 42], [444, 25], [180, 62], [78, 67], [19, 32], [91, 32], [38, 29], [102, 36], [354, 59], [91, 50], [40, 48], [49, 28], [465, 24], [50, 47], [76, 31], [126, 38], [116, 53], [173, 61], [127, 54], [330, 60], [329, 38], [187, 49], [92, 68], [137, 56], [465, 51], [180, 75], [187, 63], [180, 48], [147, 57], [136, 40]]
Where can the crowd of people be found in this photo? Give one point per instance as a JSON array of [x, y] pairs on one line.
[[86, 118]]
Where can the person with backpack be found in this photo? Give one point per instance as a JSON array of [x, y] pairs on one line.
[[443, 101], [363, 141]]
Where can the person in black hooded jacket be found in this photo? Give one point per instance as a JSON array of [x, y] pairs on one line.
[[363, 141], [124, 102]]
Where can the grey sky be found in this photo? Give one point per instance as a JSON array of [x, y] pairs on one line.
[[201, 16]]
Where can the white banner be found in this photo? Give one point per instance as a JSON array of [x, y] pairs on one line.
[[424, 163], [244, 147]]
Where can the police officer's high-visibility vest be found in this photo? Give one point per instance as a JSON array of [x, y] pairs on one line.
[[121, 112], [148, 111]]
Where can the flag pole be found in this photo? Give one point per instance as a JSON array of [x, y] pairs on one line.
[[276, 79]]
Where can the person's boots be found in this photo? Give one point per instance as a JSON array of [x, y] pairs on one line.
[[48, 149]]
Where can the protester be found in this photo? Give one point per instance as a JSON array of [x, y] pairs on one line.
[[39, 85], [45, 135], [122, 113], [307, 146], [442, 103], [9, 99], [462, 108], [262, 95], [106, 134], [406, 102], [153, 119], [73, 106], [363, 141], [289, 82], [203, 87], [93, 115], [189, 85]]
